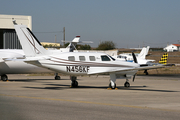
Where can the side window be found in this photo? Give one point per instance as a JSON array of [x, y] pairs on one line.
[[71, 58], [92, 58], [81, 58], [105, 58]]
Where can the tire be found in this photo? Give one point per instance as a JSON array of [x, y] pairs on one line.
[[126, 84], [74, 84], [4, 77], [57, 77], [110, 86]]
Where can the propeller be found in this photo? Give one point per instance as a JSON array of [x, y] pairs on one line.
[[134, 77], [134, 58], [135, 61]]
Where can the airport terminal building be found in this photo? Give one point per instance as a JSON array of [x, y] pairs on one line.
[[8, 37]]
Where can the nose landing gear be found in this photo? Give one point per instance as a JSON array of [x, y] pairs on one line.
[[74, 83]]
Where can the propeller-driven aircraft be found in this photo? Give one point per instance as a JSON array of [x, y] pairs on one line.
[[141, 57], [74, 64]]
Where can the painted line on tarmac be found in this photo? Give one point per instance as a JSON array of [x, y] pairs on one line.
[[95, 103]]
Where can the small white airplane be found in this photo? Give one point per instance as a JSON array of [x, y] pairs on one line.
[[141, 57], [74, 64], [20, 67], [16, 67]]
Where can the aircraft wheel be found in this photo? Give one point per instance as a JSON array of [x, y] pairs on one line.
[[57, 77], [110, 86], [126, 84], [4, 77], [74, 84]]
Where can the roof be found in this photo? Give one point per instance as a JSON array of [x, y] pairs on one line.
[[47, 43], [178, 45]]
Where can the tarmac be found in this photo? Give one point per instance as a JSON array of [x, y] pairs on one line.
[[42, 97]]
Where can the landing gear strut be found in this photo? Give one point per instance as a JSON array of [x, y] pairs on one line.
[[4, 77], [127, 84], [57, 77], [74, 83]]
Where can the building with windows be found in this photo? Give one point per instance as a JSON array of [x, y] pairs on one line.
[[8, 37]]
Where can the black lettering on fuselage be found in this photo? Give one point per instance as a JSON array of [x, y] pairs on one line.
[[82, 69], [68, 69]]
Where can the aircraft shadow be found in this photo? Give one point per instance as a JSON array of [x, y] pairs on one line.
[[31, 80], [62, 86], [162, 75], [134, 88], [137, 89]]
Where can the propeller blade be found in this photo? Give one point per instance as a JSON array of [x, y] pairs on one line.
[[134, 77], [134, 57]]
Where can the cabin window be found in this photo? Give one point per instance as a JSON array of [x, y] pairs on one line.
[[71, 58], [92, 58], [105, 58], [81, 58]]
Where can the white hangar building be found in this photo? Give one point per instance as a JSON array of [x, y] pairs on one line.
[[172, 48], [8, 37]]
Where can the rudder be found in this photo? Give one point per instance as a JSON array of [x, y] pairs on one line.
[[163, 59], [30, 44]]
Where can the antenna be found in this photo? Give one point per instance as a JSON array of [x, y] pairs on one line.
[[63, 36], [14, 21]]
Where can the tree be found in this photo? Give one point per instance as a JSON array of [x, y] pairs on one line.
[[84, 47], [80, 47], [66, 44], [106, 45]]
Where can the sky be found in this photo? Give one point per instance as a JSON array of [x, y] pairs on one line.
[[128, 23]]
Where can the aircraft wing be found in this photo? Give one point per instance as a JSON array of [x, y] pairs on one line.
[[1, 60], [125, 69]]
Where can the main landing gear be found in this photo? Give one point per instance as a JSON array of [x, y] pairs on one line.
[[112, 84], [4, 77], [74, 83], [127, 84], [57, 77]]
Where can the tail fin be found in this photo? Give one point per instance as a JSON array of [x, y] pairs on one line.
[[73, 43], [30, 44], [144, 52], [76, 39], [163, 59]]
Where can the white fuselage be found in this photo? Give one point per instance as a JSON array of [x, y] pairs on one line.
[[17, 67], [86, 63]]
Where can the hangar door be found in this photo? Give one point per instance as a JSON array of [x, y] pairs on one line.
[[9, 39]]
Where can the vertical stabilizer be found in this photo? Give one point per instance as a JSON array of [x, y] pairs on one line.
[[30, 44], [72, 45], [163, 59], [144, 52], [76, 39]]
